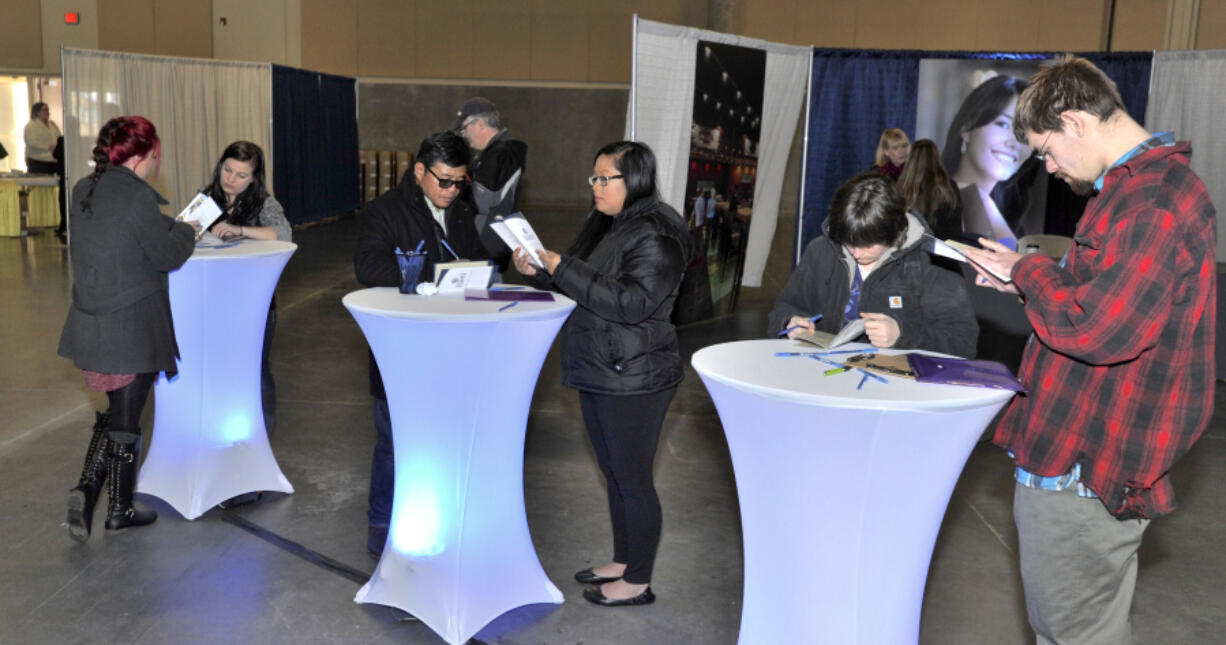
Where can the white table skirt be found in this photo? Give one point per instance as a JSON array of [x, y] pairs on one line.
[[842, 490], [209, 443], [459, 376]]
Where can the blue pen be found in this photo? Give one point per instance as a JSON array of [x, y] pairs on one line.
[[868, 374], [506, 307], [862, 380], [870, 350], [449, 249], [419, 245], [797, 354], [817, 357], [812, 319]]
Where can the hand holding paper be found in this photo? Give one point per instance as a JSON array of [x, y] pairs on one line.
[[201, 212], [994, 262]]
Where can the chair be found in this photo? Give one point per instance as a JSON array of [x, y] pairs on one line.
[[1053, 246]]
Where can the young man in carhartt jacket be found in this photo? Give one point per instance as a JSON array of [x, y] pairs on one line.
[[872, 263]]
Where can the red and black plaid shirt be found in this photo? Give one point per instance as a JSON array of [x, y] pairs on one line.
[[1120, 368]]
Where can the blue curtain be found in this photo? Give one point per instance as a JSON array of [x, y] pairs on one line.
[[855, 94], [315, 143], [1130, 71]]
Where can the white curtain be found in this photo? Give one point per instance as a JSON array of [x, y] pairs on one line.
[[662, 107], [198, 107], [1187, 94]]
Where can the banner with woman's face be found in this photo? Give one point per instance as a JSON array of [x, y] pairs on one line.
[[967, 107]]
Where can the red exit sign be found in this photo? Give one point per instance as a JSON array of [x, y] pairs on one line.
[[72, 18]]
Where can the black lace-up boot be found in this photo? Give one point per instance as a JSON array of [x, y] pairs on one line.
[[83, 498], [121, 514]]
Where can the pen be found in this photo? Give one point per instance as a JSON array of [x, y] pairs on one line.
[[862, 380], [870, 350], [812, 319], [827, 361], [835, 371], [419, 245], [506, 307], [797, 354], [868, 374]]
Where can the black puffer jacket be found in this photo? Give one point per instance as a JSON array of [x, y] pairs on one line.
[[620, 339], [929, 302]]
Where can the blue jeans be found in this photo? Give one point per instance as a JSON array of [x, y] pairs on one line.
[[382, 469]]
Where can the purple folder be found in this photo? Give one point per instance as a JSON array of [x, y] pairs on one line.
[[507, 294], [958, 371]]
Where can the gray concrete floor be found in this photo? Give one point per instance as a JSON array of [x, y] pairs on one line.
[[208, 581]]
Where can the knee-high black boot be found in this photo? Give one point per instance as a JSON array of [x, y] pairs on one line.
[[83, 498], [121, 514]]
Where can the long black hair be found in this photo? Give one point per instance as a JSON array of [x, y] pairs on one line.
[[249, 203], [637, 164], [980, 107]]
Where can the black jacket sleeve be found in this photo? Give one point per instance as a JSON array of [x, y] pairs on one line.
[[374, 260], [949, 323], [650, 271]]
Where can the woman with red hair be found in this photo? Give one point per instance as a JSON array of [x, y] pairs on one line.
[[119, 329]]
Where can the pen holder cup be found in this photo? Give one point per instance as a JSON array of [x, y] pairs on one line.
[[410, 265]]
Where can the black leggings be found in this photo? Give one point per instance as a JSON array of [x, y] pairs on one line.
[[625, 431], [127, 403]]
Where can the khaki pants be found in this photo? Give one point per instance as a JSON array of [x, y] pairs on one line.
[[1079, 567]]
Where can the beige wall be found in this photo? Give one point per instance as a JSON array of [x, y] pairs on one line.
[[56, 33], [267, 31], [566, 40], [523, 40], [1017, 25], [22, 35]]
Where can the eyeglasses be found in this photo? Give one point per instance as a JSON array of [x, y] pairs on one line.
[[1041, 155], [602, 181], [447, 183]]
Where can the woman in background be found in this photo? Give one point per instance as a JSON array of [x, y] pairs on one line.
[[929, 192], [249, 211], [619, 349], [985, 158], [892, 149], [119, 329], [40, 135]]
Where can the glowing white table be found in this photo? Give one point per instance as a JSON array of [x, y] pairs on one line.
[[459, 377], [842, 491], [209, 442]]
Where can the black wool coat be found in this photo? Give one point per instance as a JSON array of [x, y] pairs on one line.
[[400, 218], [122, 250]]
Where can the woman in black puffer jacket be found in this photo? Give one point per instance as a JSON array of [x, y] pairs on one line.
[[619, 349]]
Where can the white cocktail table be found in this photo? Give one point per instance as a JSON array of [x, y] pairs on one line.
[[209, 442], [842, 490], [459, 377]]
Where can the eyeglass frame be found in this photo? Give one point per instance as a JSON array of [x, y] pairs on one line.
[[1042, 154], [446, 184], [603, 182]]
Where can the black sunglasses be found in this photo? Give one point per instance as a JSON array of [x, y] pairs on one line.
[[447, 183]]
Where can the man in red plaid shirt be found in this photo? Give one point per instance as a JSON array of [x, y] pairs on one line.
[[1119, 371]]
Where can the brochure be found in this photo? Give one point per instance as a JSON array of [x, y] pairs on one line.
[[516, 231], [202, 210]]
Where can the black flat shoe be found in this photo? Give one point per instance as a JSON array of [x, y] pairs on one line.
[[589, 577], [593, 594]]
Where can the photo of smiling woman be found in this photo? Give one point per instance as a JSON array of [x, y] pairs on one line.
[[994, 172]]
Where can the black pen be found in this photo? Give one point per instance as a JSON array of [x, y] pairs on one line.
[[812, 319]]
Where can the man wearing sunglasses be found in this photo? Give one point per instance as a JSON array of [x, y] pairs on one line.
[[424, 209], [496, 160]]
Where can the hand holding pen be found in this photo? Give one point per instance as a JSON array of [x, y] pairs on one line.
[[798, 322]]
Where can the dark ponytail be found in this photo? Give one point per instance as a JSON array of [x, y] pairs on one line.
[[122, 138]]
